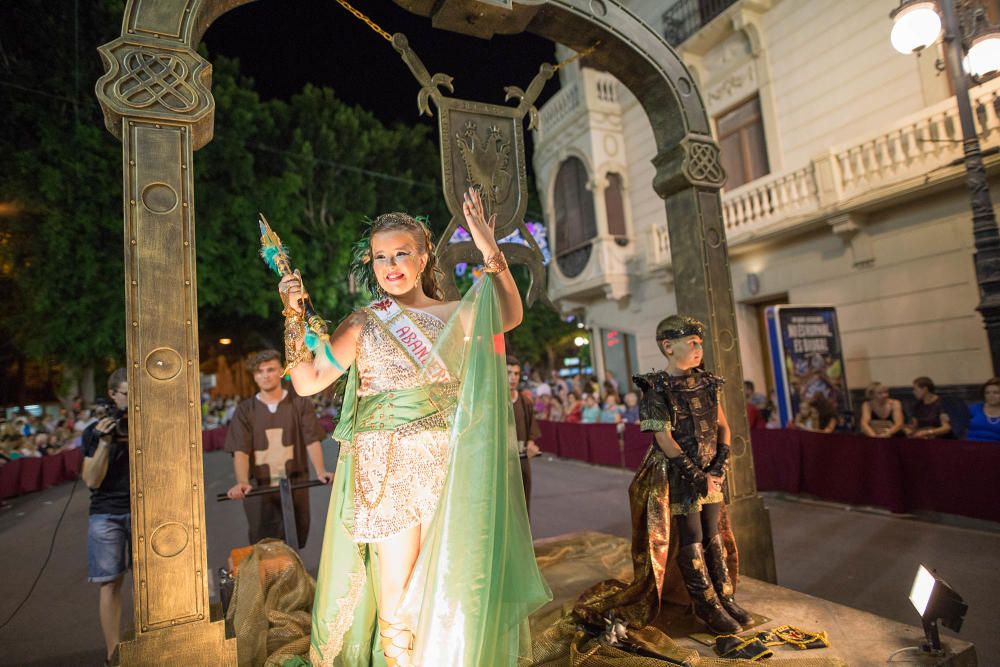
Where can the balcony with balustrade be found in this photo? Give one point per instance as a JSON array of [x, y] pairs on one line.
[[920, 151]]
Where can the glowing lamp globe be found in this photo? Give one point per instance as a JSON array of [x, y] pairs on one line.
[[915, 26], [984, 55]]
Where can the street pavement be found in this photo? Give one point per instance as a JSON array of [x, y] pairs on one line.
[[863, 559]]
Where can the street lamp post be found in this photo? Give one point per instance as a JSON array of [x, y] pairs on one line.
[[917, 26]]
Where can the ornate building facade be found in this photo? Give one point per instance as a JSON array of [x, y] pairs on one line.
[[845, 188]]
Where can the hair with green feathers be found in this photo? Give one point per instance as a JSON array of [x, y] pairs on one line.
[[361, 254]]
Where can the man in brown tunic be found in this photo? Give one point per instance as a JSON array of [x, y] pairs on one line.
[[270, 437], [525, 425]]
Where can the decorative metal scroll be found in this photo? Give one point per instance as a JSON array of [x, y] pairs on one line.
[[482, 146]]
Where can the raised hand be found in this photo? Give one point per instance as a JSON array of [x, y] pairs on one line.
[[290, 290], [481, 229]]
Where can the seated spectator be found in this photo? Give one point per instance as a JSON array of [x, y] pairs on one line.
[[881, 416], [631, 414], [929, 420], [984, 418], [574, 409], [612, 412], [591, 412], [816, 415]]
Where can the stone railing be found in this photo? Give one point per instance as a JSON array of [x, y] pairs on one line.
[[917, 145], [769, 199], [594, 91], [560, 106], [910, 151], [658, 248]]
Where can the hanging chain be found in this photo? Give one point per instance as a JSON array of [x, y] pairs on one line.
[[370, 23], [581, 54]]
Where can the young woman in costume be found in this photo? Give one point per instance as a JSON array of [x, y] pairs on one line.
[[427, 556]]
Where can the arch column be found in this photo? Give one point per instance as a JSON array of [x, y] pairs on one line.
[[156, 99]]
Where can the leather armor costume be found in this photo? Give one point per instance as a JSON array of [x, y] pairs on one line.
[[687, 405]]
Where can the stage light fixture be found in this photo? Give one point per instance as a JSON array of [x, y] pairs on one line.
[[935, 601]]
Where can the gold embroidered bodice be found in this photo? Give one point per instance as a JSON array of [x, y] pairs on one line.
[[383, 365]]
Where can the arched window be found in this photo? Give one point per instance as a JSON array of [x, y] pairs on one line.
[[576, 223], [614, 206]]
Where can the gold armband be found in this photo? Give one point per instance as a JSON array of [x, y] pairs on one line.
[[295, 348]]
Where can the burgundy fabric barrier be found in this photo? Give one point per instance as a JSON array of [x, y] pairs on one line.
[[549, 442], [852, 469], [899, 474], [777, 460], [214, 439], [953, 477], [636, 445], [72, 463], [52, 470], [31, 475], [10, 478], [603, 445], [573, 441]]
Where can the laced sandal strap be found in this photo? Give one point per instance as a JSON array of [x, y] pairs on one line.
[[395, 632]]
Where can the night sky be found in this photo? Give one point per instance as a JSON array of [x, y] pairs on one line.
[[283, 45]]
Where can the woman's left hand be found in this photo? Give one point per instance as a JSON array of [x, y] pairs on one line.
[[481, 229]]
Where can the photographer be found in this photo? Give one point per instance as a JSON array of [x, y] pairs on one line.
[[109, 537]]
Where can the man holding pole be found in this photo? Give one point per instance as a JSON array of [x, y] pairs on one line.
[[271, 436]]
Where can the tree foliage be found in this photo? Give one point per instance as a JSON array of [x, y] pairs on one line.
[[314, 165]]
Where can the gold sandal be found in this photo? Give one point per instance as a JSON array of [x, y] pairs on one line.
[[393, 651]]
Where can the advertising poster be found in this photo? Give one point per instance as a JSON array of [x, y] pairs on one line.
[[807, 360]]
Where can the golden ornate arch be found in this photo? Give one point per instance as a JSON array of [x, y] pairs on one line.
[[156, 97]]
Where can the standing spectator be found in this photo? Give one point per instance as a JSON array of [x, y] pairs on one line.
[[281, 428], [612, 412], [574, 409], [610, 381], [929, 419], [558, 384], [109, 533], [984, 422], [525, 425], [759, 401], [631, 414], [556, 410], [881, 416], [591, 412], [754, 417]]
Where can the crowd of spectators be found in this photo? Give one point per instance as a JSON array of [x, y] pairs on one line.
[[581, 399], [926, 416], [25, 435]]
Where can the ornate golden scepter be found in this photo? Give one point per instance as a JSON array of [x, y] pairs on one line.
[[275, 255]]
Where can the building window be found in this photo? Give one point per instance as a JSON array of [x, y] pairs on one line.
[[576, 223], [614, 207], [742, 145]]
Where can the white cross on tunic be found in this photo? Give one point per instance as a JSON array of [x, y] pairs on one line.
[[276, 454]]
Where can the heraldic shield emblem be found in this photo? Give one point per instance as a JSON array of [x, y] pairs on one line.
[[482, 146]]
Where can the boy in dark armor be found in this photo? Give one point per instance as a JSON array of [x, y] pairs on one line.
[[681, 406], [678, 489]]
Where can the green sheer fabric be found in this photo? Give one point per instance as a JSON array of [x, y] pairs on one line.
[[476, 580]]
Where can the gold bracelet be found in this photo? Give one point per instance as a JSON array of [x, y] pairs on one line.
[[496, 263]]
